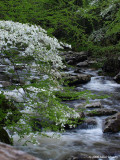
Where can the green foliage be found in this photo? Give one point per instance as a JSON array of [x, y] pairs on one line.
[[71, 21]]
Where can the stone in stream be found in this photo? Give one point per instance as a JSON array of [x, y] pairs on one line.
[[101, 112], [91, 62], [94, 105], [112, 124], [78, 79], [10, 153], [88, 123], [73, 58], [82, 64]]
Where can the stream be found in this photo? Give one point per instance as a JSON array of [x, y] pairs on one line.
[[86, 142]]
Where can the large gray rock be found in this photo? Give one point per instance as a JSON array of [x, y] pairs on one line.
[[78, 79], [101, 112], [9, 153], [82, 64], [73, 58], [112, 124], [94, 105], [88, 123]]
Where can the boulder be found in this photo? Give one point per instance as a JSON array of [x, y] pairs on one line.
[[101, 112], [66, 95], [73, 58], [9, 153], [117, 78], [88, 123], [112, 124], [92, 62], [94, 105], [82, 64], [78, 79]]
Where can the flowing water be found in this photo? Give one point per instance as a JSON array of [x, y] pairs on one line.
[[90, 142]]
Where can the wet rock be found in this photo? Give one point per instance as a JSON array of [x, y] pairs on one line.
[[112, 124], [82, 64], [92, 62], [117, 78], [78, 79], [64, 95], [9, 153], [94, 105], [101, 112], [79, 105], [88, 123], [73, 58]]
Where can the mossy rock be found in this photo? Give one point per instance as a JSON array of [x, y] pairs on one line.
[[66, 95], [101, 112]]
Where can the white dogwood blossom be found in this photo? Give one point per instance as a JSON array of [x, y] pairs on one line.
[[39, 45], [18, 43]]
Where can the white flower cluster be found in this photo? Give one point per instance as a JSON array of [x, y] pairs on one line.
[[97, 35], [39, 45], [94, 2], [107, 10]]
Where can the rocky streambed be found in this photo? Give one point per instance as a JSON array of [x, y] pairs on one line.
[[88, 140], [98, 137]]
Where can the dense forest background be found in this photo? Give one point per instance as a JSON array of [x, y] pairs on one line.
[[91, 25]]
